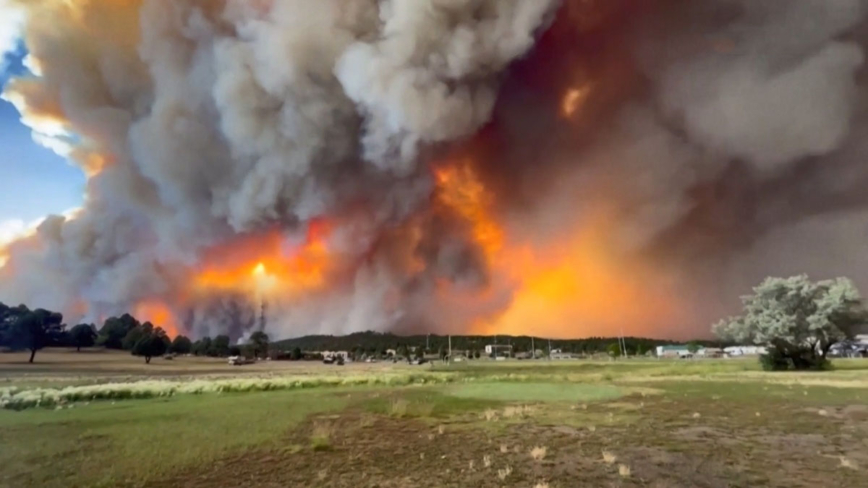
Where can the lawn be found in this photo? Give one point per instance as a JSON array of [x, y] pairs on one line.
[[556, 424]]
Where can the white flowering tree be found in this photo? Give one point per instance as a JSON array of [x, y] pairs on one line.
[[797, 318]]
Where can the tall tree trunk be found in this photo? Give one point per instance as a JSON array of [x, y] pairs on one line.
[[32, 355], [147, 359], [77, 348]]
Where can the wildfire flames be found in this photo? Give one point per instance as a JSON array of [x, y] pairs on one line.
[[561, 168]]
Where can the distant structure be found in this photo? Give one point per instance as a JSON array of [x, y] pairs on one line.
[[498, 349], [733, 351], [672, 351]]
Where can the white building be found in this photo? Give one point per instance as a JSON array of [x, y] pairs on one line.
[[745, 350]]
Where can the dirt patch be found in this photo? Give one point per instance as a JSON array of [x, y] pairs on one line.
[[665, 447]]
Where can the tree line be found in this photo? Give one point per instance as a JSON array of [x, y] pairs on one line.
[[377, 343], [24, 329]]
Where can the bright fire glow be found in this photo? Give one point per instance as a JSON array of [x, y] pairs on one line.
[[159, 315], [570, 287], [461, 190], [264, 263], [573, 100]]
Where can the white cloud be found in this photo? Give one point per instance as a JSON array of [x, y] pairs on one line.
[[11, 24], [11, 230]]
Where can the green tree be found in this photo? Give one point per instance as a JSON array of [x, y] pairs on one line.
[[799, 320], [420, 353], [83, 335], [693, 347], [295, 355], [259, 341], [234, 351], [129, 341], [34, 330], [202, 347], [219, 346], [152, 342], [614, 350], [181, 345], [113, 331]]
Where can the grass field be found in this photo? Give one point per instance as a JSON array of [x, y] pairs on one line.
[[526, 424]]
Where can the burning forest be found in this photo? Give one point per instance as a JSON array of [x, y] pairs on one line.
[[561, 168]]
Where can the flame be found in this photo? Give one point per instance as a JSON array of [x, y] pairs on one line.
[[573, 100], [266, 263]]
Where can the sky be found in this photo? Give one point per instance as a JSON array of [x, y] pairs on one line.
[[34, 181]]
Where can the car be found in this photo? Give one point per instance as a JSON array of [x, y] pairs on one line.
[[237, 361]]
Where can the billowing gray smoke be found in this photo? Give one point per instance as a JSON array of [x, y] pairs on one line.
[[724, 138], [205, 119]]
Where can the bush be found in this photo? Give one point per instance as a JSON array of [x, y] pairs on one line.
[[805, 360]]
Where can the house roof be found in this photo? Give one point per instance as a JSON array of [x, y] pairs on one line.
[[672, 348]]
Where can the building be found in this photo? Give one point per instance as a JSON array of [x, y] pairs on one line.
[[673, 352], [335, 354], [499, 349], [733, 351]]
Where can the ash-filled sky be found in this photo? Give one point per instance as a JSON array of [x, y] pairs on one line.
[[560, 168]]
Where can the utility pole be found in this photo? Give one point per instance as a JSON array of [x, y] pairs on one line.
[[550, 349], [622, 344], [450, 348], [262, 316], [427, 348], [532, 349]]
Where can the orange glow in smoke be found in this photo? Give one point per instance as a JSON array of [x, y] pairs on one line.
[[460, 189], [573, 100], [264, 263], [157, 313], [571, 287]]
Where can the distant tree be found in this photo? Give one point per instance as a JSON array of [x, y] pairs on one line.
[[640, 350], [234, 351], [152, 342], [219, 346], [113, 331], [477, 354], [295, 355], [33, 330], [83, 335], [693, 347], [799, 320], [614, 350], [181, 345], [259, 341], [136, 333], [202, 347], [441, 353], [8, 317], [420, 353]]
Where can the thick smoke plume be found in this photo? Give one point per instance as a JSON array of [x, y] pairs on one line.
[[561, 168]]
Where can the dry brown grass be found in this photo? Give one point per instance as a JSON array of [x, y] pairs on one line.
[[538, 453], [624, 471], [609, 458]]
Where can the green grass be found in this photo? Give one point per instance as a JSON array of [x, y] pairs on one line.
[[104, 444], [536, 392], [575, 408], [425, 403]]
